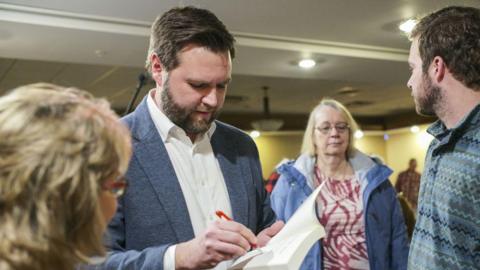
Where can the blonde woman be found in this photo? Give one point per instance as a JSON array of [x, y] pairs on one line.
[[62, 153], [357, 205]]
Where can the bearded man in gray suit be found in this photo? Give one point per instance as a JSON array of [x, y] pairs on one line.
[[187, 165]]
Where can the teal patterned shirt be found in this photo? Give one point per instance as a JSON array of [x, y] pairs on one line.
[[447, 232]]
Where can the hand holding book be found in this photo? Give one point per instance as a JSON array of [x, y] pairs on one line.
[[287, 249]]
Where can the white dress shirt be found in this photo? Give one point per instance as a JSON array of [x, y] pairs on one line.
[[198, 173]]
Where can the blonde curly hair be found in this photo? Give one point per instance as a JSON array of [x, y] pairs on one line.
[[57, 147]]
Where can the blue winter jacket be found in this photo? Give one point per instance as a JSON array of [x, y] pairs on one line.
[[385, 229]]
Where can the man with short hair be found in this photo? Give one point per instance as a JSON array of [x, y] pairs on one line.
[[186, 165], [408, 183], [445, 81]]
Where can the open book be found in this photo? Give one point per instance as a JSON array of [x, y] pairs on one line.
[[288, 248]]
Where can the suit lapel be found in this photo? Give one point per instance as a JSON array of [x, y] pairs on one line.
[[229, 160], [155, 162]]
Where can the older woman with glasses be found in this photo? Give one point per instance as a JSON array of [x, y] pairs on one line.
[[62, 155], [357, 205]]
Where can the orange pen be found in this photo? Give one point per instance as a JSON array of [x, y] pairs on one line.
[[221, 214]]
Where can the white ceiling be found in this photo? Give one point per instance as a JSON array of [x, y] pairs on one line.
[[100, 45]]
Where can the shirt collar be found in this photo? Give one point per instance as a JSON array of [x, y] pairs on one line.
[[439, 130], [166, 128]]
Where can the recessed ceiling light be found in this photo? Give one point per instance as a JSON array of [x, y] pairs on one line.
[[407, 26], [306, 63], [100, 53], [414, 129]]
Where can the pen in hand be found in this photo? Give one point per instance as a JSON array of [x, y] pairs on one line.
[[221, 214]]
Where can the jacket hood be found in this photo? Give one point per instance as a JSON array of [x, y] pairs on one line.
[[367, 170]]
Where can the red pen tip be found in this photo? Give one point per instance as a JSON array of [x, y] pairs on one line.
[[221, 214]]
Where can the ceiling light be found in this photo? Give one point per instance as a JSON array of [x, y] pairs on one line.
[[414, 129], [100, 53], [306, 63], [255, 134], [266, 123], [348, 91], [358, 134], [407, 26]]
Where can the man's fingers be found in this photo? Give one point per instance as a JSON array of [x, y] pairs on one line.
[[212, 237], [227, 250], [247, 238], [206, 251], [223, 240]]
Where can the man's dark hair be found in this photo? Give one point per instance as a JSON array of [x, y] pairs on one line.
[[179, 27], [453, 33]]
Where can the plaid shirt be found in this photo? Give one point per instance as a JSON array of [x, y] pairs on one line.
[[447, 232], [271, 181], [408, 183]]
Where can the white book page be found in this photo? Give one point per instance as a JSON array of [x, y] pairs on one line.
[[291, 244]]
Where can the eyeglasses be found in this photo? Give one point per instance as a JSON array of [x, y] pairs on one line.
[[115, 187], [340, 127]]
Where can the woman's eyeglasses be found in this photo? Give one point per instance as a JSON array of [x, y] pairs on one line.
[[115, 187], [340, 127]]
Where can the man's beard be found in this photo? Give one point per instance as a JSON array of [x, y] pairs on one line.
[[182, 117], [430, 102]]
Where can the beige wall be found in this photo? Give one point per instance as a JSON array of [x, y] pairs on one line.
[[396, 151], [372, 145], [404, 145], [274, 147]]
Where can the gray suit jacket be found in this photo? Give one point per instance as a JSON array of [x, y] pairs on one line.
[[152, 214]]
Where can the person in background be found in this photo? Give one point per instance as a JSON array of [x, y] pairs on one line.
[[186, 166], [445, 82], [273, 178], [408, 183], [272, 181], [62, 153], [357, 205]]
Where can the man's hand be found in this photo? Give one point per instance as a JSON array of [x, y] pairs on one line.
[[222, 240], [265, 235]]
